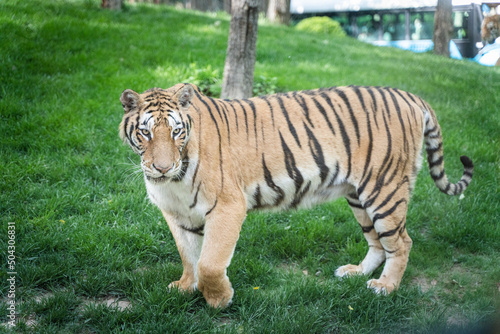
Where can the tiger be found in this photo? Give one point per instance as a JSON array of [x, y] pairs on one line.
[[207, 162], [490, 29]]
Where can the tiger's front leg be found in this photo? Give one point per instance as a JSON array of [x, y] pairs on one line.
[[189, 245], [222, 230]]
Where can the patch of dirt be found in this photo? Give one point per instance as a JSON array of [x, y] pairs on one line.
[[110, 301], [457, 320], [290, 267], [46, 295], [224, 321], [424, 284]]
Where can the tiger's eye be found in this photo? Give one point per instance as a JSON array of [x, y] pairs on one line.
[[176, 131], [145, 132]]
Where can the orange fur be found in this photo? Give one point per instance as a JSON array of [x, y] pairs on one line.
[[208, 161]]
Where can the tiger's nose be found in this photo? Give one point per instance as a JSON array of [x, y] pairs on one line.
[[162, 169]]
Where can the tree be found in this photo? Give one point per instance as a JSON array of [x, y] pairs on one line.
[[279, 11], [237, 80], [112, 4], [443, 28]]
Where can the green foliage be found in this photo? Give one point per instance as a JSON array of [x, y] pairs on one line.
[[85, 231], [263, 85], [321, 24]]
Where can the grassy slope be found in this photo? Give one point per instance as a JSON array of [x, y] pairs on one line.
[[85, 230]]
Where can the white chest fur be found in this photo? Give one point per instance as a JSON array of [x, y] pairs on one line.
[[177, 198]]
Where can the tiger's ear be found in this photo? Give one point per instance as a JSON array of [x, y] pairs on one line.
[[130, 100], [185, 95]]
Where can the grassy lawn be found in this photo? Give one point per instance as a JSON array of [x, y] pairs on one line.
[[94, 256]]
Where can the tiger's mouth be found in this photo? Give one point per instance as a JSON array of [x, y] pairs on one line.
[[159, 179], [177, 175]]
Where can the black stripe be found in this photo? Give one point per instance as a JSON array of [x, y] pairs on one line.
[[218, 135], [257, 196], [378, 184], [244, 114], [387, 128], [195, 200], [317, 154], [374, 106], [390, 232], [298, 197], [367, 229], [394, 171], [323, 112], [354, 121], [179, 177], [213, 207], [369, 129], [287, 118], [354, 205], [235, 115], [398, 111], [334, 175], [400, 93], [388, 212], [364, 183], [447, 188], [290, 165], [439, 176], [252, 106], [271, 111], [270, 183], [434, 150], [129, 135], [225, 117], [427, 131], [389, 197], [302, 103], [197, 230], [345, 137], [438, 162]]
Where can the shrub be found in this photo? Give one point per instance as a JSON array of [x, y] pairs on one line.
[[321, 24]]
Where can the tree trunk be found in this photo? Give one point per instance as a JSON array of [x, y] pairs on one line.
[[278, 11], [443, 28], [112, 4], [227, 6], [241, 49]]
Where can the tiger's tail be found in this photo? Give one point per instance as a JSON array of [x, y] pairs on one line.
[[434, 148]]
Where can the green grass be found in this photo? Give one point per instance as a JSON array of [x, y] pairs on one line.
[[85, 232]]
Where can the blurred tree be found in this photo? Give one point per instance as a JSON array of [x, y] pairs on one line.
[[208, 5], [443, 28], [279, 11], [112, 4], [241, 49]]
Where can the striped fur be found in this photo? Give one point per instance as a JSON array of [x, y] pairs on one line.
[[208, 161]]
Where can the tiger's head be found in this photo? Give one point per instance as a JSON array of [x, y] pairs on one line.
[[157, 126], [490, 29]]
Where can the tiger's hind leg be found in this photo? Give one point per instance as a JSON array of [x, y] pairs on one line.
[[389, 220], [376, 254]]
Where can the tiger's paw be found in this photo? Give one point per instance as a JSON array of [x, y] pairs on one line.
[[217, 295], [219, 300], [183, 286], [348, 270], [381, 286]]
